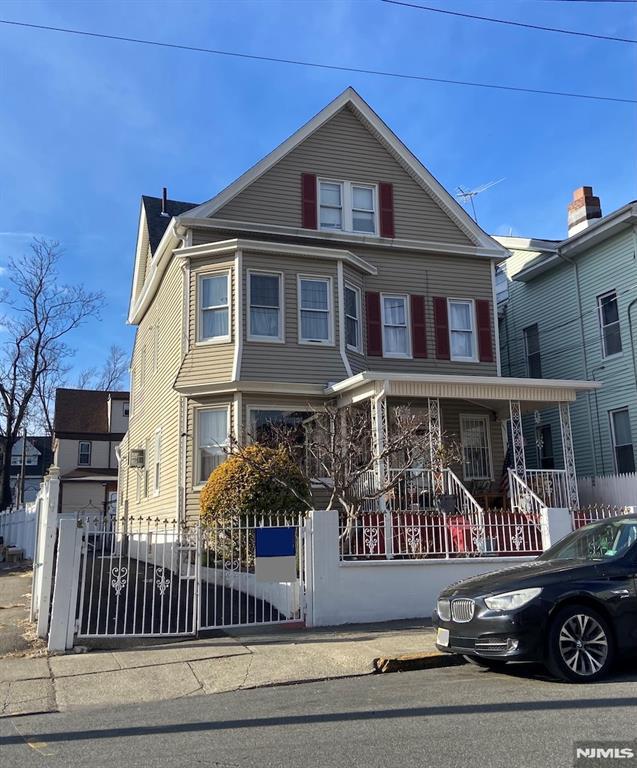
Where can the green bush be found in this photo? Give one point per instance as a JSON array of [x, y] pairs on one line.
[[245, 484]]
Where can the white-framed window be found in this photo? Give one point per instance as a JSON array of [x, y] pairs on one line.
[[157, 463], [265, 317], [84, 453], [462, 329], [609, 324], [30, 460], [532, 347], [125, 408], [395, 320], [348, 206], [212, 431], [214, 307], [622, 437], [476, 447], [353, 318], [315, 310]]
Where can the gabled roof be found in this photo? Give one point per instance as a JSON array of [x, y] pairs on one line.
[[82, 411], [349, 97], [158, 224]]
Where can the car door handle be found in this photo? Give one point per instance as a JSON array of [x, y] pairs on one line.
[[621, 593]]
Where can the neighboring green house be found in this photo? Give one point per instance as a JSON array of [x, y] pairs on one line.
[[568, 310]]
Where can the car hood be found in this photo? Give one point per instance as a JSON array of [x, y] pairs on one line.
[[533, 574]]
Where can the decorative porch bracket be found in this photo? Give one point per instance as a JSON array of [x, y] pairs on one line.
[[517, 436], [435, 442], [569, 456], [378, 414]]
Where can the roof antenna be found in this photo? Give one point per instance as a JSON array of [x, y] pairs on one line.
[[469, 194], [164, 198]]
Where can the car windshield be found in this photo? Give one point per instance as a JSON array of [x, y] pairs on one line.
[[599, 541]]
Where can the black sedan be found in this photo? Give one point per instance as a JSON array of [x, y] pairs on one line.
[[573, 609]]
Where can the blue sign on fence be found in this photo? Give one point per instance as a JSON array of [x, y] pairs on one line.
[[275, 554]]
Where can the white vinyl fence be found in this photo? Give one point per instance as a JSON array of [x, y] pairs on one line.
[[617, 490], [18, 528]]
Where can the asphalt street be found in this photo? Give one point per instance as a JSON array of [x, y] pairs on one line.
[[458, 716]]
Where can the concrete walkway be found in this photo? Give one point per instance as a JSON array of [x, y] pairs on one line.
[[136, 671], [247, 659]]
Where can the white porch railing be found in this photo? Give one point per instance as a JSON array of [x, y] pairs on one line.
[[550, 485], [523, 499]]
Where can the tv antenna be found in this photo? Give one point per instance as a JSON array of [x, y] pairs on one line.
[[470, 194]]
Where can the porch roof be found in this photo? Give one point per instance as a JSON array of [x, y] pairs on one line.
[[490, 388]]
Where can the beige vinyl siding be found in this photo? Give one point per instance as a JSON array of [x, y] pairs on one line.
[[430, 275], [343, 149], [291, 361], [206, 363], [158, 405]]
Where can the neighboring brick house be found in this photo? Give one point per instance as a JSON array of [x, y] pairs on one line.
[[338, 270], [88, 428]]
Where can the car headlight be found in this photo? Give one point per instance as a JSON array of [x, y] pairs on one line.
[[444, 609], [509, 601]]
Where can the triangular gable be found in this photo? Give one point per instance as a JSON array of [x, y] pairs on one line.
[[350, 105]]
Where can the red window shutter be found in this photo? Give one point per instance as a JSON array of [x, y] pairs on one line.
[[485, 344], [441, 324], [374, 331], [418, 327], [308, 200], [386, 202]]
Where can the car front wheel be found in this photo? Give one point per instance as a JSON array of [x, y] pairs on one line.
[[580, 645]]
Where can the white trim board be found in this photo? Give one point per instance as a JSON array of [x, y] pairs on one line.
[[349, 97]]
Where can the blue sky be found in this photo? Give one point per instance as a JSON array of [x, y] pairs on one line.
[[89, 125]]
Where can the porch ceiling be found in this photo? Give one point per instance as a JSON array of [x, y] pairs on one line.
[[495, 389]]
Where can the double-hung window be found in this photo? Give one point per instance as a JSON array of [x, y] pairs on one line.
[[352, 318], [315, 310], [265, 319], [621, 433], [532, 346], [214, 307], [212, 438], [462, 329], [609, 324], [347, 206], [476, 450], [84, 453], [395, 317]]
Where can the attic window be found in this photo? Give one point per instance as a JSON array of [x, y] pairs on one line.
[[348, 207]]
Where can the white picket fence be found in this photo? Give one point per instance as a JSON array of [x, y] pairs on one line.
[[18, 528], [619, 490]]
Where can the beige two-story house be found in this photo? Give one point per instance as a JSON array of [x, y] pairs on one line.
[[88, 427], [336, 269]]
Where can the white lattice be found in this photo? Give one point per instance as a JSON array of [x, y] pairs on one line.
[[435, 442], [517, 436], [569, 455]]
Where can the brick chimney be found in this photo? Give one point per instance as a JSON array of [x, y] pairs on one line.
[[583, 211]]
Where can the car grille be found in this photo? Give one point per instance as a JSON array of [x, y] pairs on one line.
[[462, 610], [444, 610]]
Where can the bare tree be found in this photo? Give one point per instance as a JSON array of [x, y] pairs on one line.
[[41, 312], [114, 369], [337, 453]]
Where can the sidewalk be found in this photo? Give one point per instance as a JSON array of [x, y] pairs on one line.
[[136, 671]]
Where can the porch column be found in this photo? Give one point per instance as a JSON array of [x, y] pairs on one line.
[[569, 455], [435, 441], [517, 436], [379, 441]]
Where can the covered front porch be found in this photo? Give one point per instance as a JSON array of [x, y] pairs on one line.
[[483, 415]]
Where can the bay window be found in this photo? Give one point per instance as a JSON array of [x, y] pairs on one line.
[[315, 310], [214, 307], [352, 318], [212, 438], [265, 322]]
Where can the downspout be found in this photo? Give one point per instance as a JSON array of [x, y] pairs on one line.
[[585, 357]]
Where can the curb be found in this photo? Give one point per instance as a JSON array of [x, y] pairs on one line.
[[413, 661]]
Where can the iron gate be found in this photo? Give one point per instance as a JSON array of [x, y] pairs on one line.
[[143, 577]]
